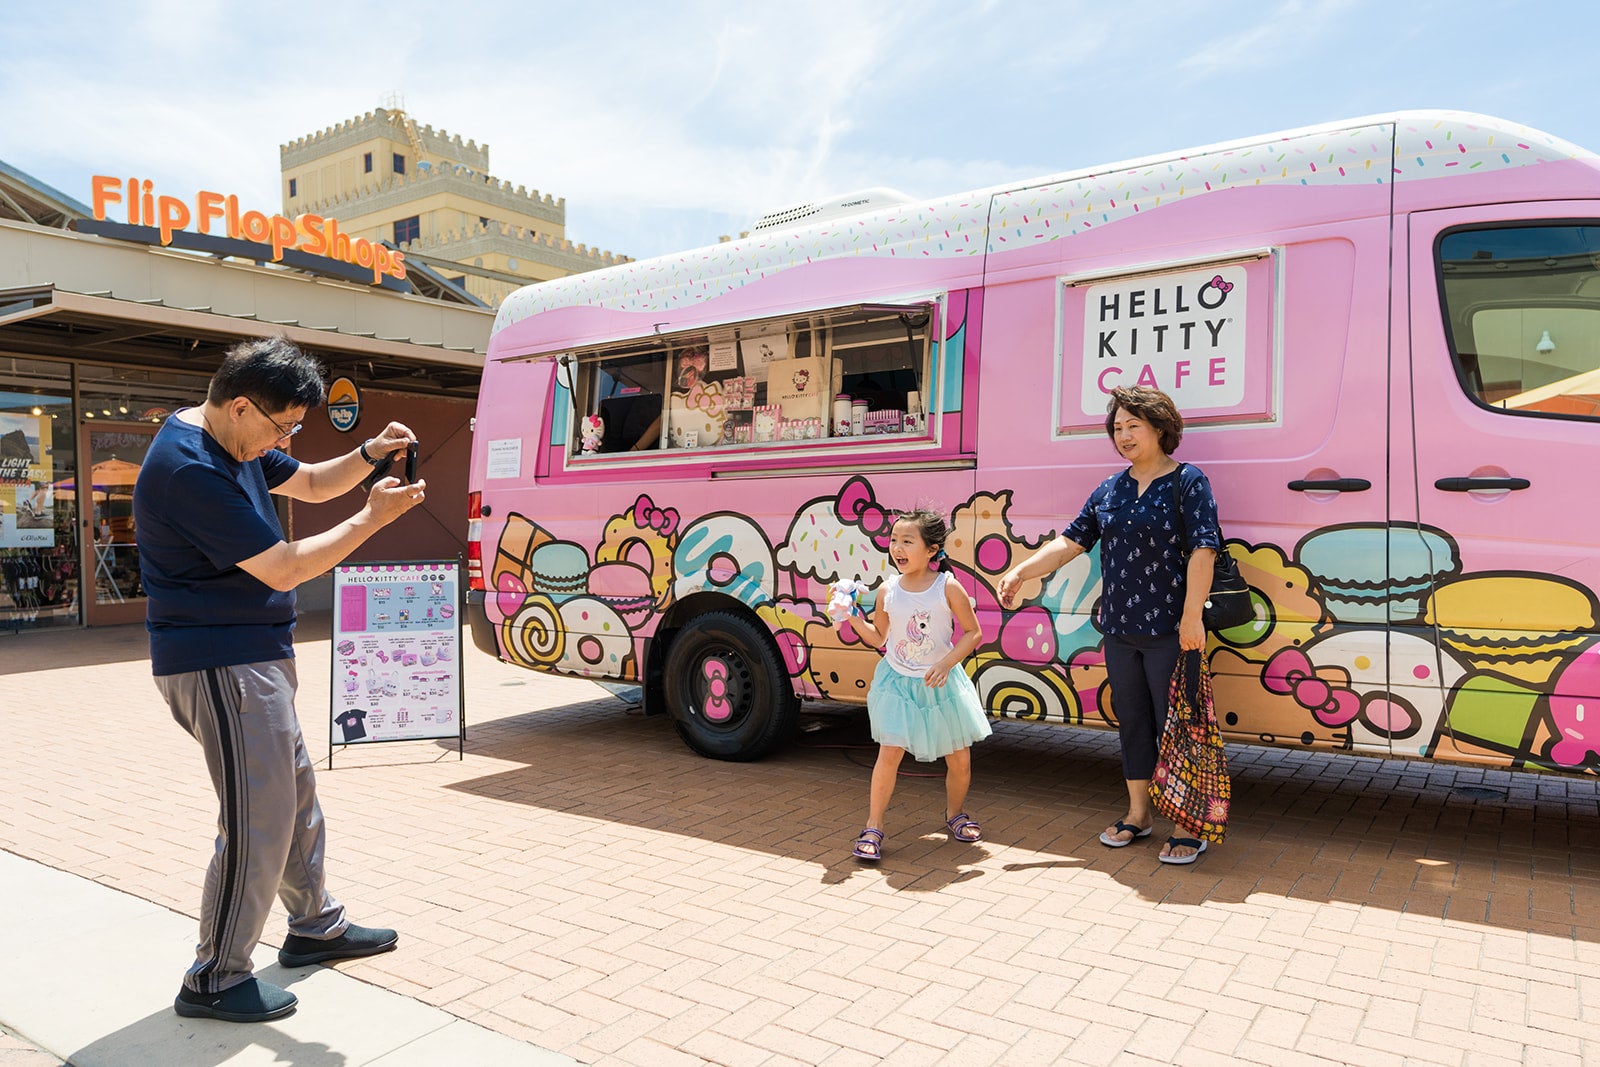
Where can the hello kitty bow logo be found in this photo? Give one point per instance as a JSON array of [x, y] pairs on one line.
[[1221, 286], [647, 516], [801, 379], [857, 507], [1291, 673]]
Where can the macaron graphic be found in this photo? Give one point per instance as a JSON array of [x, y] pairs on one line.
[[559, 569], [1521, 626], [1375, 573], [625, 587]]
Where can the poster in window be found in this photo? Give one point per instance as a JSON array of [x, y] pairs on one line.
[[27, 495]]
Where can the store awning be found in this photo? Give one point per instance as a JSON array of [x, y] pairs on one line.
[[45, 320]]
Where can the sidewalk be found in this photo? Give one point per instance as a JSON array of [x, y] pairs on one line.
[[88, 973], [582, 883]]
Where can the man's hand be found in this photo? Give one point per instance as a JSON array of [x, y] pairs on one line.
[[391, 498], [394, 437]]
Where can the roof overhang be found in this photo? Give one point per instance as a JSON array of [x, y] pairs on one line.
[[45, 320]]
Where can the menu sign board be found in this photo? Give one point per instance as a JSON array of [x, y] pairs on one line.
[[396, 652]]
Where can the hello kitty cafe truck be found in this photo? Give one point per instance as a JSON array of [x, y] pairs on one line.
[[1384, 336]]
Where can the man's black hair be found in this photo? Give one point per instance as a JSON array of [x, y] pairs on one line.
[[272, 372]]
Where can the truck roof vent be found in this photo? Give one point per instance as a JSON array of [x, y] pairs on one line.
[[835, 207]]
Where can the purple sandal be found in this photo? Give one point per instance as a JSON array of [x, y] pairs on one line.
[[959, 825], [867, 848]]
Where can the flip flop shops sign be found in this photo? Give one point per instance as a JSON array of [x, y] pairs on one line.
[[216, 214]]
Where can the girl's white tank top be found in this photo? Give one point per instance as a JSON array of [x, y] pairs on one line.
[[921, 626]]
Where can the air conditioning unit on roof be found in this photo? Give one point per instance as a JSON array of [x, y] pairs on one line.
[[861, 202]]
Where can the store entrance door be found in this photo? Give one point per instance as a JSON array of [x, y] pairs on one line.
[[111, 454]]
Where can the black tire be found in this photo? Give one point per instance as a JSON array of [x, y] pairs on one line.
[[727, 691]]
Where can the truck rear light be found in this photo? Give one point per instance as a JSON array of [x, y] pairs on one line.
[[474, 540]]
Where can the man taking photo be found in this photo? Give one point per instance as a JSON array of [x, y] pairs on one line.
[[220, 578]]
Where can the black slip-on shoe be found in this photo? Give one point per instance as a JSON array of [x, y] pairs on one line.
[[251, 1001], [355, 941]]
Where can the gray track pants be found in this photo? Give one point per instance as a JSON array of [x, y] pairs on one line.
[[269, 825]]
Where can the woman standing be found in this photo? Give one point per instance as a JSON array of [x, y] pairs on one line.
[[1151, 597]]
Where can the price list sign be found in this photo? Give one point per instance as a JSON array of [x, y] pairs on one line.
[[396, 653]]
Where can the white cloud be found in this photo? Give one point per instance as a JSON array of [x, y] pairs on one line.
[[664, 126]]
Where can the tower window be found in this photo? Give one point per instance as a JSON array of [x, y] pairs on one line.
[[399, 163], [407, 229], [366, 163], [292, 189]]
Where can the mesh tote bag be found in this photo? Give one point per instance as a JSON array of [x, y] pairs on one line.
[[1190, 785]]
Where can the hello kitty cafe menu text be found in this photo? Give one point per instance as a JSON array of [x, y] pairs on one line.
[[396, 653]]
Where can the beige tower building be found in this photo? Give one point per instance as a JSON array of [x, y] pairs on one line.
[[429, 193]]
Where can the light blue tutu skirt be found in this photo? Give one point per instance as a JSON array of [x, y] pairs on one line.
[[929, 723]]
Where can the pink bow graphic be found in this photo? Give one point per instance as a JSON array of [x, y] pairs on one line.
[[647, 516], [1290, 672], [1221, 286], [858, 508]]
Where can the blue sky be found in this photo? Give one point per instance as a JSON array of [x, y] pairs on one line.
[[665, 125]]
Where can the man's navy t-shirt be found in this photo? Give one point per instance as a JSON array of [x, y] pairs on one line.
[[196, 513]]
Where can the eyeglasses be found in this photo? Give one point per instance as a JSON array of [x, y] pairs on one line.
[[276, 425]]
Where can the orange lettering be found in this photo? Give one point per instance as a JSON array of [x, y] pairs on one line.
[[363, 252], [209, 207], [380, 263], [174, 215], [106, 191], [283, 236], [254, 225], [133, 201], [147, 203], [316, 240], [398, 268], [338, 242], [232, 205]]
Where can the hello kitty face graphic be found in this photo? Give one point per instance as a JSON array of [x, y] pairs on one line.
[[801, 379]]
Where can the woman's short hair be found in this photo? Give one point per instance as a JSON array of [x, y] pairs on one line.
[[1151, 405]]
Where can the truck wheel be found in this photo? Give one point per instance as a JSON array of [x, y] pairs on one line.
[[727, 690]]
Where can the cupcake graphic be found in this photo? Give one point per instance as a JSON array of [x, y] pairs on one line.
[[1375, 574]]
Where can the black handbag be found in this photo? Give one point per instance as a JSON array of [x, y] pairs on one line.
[[1228, 604]]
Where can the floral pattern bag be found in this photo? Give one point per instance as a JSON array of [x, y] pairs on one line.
[[1190, 785]]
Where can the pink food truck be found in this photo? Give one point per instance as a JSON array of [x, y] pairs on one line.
[[1384, 335]]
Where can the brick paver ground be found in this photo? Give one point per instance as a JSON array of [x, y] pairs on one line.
[[586, 883]]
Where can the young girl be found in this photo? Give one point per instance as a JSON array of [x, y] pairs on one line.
[[921, 701]]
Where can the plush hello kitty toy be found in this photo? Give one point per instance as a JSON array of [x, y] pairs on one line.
[[593, 431], [846, 600]]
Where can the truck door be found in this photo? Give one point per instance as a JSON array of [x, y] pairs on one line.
[[1504, 381]]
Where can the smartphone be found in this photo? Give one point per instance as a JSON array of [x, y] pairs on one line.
[[411, 463]]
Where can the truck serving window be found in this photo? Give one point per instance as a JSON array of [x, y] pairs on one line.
[[1522, 311], [857, 372]]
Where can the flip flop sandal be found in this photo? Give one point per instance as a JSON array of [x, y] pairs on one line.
[[1125, 828], [867, 848], [956, 824], [1184, 842]]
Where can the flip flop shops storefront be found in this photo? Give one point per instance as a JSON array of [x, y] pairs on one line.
[[103, 336]]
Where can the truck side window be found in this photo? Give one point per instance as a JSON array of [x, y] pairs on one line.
[[848, 372], [1522, 311]]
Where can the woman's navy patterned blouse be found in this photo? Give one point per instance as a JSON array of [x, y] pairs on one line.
[[1142, 565]]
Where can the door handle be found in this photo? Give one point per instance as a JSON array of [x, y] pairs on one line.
[[1331, 485], [1474, 485]]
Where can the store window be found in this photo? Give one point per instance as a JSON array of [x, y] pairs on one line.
[[857, 372], [121, 409], [407, 229], [39, 559], [1522, 309]]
